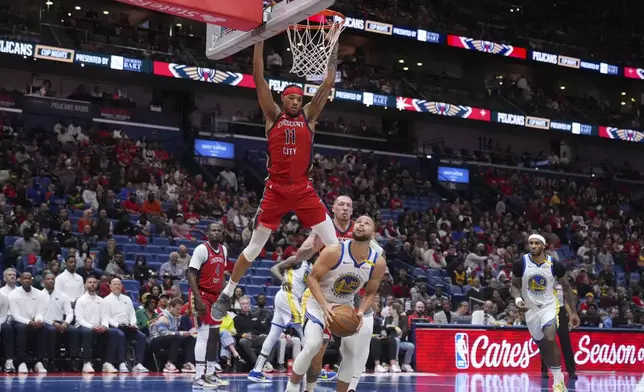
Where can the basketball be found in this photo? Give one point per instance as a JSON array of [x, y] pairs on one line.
[[345, 323]]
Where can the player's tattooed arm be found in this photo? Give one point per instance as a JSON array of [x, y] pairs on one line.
[[310, 247], [515, 289], [264, 95], [328, 258], [314, 108]]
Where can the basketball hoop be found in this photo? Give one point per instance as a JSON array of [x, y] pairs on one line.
[[313, 41]]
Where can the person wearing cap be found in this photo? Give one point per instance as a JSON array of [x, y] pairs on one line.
[[147, 313], [535, 277]]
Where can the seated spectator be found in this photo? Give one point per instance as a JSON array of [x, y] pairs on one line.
[[9, 278], [26, 305], [69, 282], [227, 332], [58, 316], [172, 268], [484, 316], [117, 267], [287, 340], [86, 270], [421, 294], [27, 248], [419, 314], [251, 332], [92, 323], [445, 316], [184, 257], [122, 321], [397, 330], [147, 314], [180, 229], [141, 271], [165, 334]]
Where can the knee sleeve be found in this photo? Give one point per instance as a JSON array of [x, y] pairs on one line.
[[326, 232], [201, 344], [313, 333], [212, 348], [349, 352], [257, 241]]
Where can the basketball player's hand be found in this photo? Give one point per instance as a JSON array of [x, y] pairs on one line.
[[360, 316], [329, 315], [574, 321], [286, 286], [200, 307]]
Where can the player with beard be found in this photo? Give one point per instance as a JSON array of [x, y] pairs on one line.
[[342, 211], [206, 280], [534, 278], [336, 277]]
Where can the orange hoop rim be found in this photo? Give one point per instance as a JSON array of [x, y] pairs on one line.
[[328, 26]]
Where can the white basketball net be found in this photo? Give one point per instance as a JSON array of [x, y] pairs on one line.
[[312, 44]]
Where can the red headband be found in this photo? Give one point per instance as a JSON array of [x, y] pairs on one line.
[[292, 90]]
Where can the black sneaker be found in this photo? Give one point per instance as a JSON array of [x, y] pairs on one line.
[[220, 308]]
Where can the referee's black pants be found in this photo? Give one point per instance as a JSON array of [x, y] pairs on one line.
[[564, 341]]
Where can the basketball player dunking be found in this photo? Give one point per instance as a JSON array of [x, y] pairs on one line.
[[206, 280], [289, 131], [534, 278], [335, 278]]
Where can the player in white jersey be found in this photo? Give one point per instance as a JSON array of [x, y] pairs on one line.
[[340, 271], [287, 308], [534, 278]]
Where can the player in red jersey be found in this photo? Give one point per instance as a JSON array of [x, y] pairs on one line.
[[289, 131], [206, 280]]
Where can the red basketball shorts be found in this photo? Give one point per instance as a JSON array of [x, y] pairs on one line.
[[206, 318], [279, 198]]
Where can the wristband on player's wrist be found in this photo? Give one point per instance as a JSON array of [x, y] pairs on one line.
[[518, 300]]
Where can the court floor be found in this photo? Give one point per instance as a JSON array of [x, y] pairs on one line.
[[587, 382]]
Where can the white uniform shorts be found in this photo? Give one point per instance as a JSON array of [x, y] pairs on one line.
[[288, 310], [538, 319]]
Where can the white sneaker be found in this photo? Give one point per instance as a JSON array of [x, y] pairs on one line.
[[395, 368], [88, 368], [379, 369], [139, 368], [268, 368], [123, 368], [407, 368], [39, 368], [201, 383], [8, 366], [109, 368], [23, 368]]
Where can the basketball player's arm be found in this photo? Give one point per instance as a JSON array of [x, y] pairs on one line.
[[313, 109], [515, 289], [199, 257], [327, 260], [278, 269], [372, 286], [309, 247], [264, 95], [570, 298]]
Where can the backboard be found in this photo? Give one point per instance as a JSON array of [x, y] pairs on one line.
[[222, 42]]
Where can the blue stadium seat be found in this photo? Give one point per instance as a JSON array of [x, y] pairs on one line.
[[259, 280], [121, 239], [262, 272], [131, 285], [455, 290], [272, 290], [254, 290], [161, 241]]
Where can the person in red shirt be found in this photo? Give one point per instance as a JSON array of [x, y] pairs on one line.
[[131, 205], [290, 129], [396, 202], [419, 314]]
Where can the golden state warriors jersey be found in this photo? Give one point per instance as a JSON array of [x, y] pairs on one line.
[[347, 276], [297, 278], [538, 283]]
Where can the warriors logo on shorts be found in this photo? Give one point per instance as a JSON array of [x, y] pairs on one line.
[[346, 284], [537, 284]]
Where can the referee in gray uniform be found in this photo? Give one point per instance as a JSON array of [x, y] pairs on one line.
[[564, 339]]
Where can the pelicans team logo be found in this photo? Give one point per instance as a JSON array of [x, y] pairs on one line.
[[628, 135], [346, 284], [537, 284], [207, 75]]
